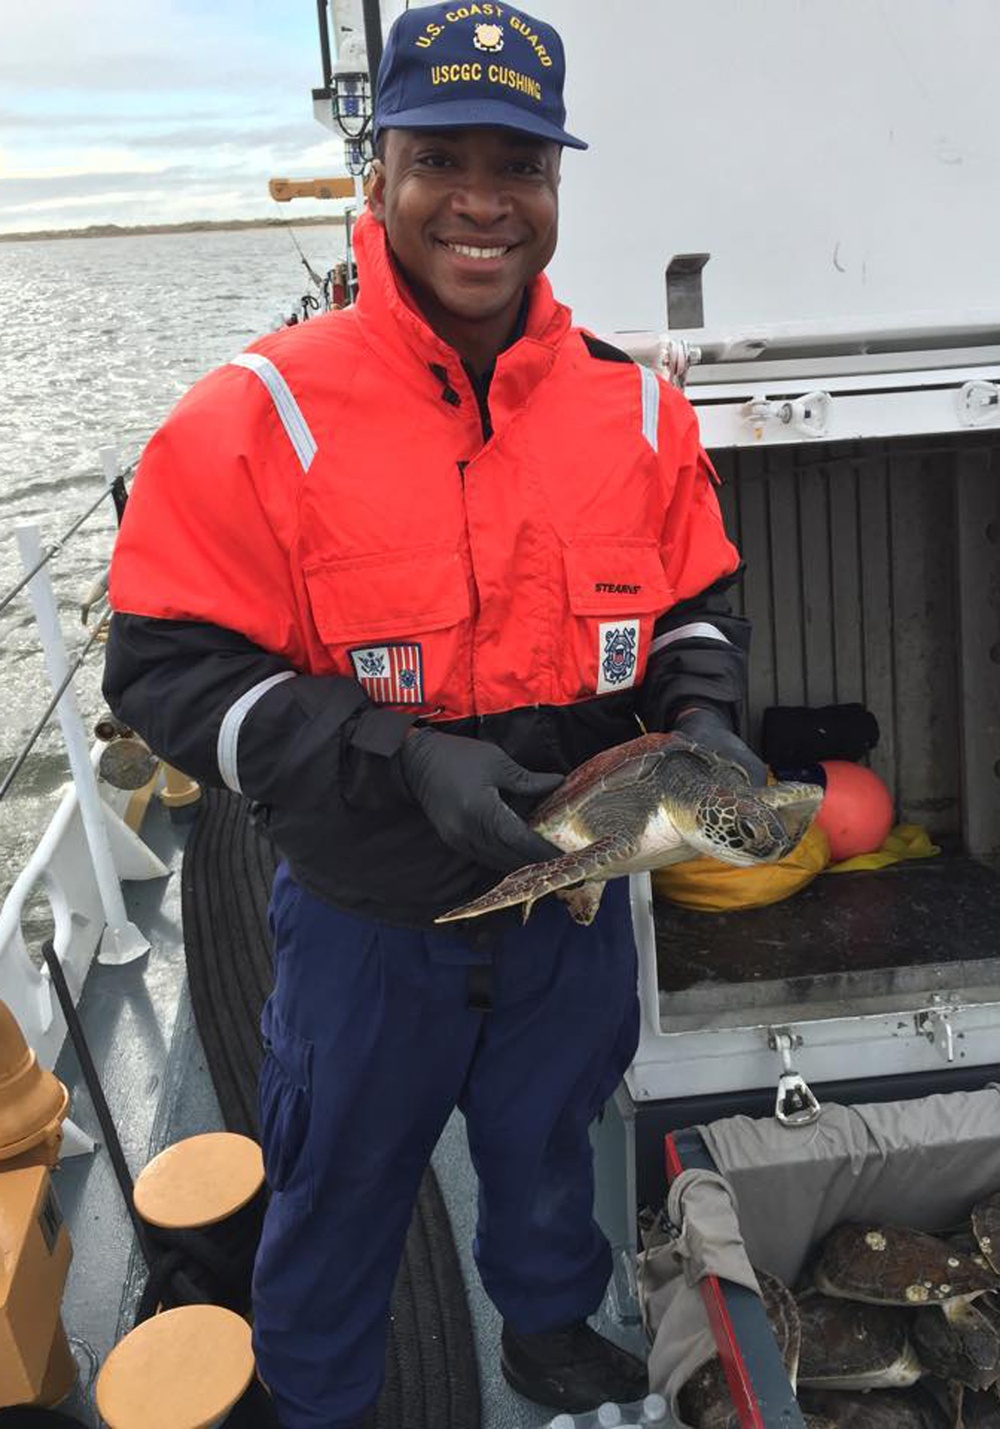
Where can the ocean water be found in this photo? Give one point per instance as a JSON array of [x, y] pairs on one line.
[[99, 339]]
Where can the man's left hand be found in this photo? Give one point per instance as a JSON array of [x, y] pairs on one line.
[[708, 728]]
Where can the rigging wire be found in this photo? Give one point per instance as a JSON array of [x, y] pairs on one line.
[[60, 541], [33, 737], [305, 261]]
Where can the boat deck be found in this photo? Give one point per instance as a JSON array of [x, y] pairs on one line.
[[140, 1027]]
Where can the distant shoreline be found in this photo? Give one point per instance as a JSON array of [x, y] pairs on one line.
[[114, 230]]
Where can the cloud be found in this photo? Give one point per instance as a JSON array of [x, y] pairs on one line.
[[197, 103], [202, 136], [111, 45]]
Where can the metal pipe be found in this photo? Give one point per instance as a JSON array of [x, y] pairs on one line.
[[35, 734], [103, 1112], [324, 42], [373, 39], [122, 941]]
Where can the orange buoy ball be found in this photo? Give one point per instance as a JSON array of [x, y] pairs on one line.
[[857, 810]]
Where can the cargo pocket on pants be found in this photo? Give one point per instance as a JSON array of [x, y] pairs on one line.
[[285, 1099]]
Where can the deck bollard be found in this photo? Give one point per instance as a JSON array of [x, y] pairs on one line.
[[179, 794], [202, 1200], [183, 1369]]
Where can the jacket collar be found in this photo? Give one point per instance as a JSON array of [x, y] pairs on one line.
[[397, 329]]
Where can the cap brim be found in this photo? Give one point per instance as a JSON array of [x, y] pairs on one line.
[[476, 114]]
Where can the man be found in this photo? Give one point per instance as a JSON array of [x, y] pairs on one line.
[[391, 574]]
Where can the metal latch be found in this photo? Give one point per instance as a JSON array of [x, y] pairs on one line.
[[677, 356], [936, 1026], [794, 1104], [808, 414], [978, 403]]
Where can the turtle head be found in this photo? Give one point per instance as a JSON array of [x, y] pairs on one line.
[[747, 825]]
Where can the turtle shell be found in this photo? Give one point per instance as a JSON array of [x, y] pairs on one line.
[[986, 1226], [965, 1241], [783, 1313], [704, 1401], [959, 1342], [892, 1265], [876, 1408], [615, 768], [981, 1410], [848, 1344]]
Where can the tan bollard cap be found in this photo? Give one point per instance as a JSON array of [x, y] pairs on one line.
[[199, 1181], [183, 1369], [32, 1100]]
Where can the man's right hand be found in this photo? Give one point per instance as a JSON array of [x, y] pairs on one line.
[[457, 782]]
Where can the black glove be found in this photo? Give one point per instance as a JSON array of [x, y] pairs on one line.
[[708, 728], [456, 781]]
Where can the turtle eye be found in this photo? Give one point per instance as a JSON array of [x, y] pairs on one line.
[[748, 832]]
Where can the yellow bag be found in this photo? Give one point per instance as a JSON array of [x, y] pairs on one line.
[[904, 841], [714, 887]]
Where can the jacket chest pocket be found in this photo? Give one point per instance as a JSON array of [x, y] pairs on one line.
[[616, 588], [397, 622]]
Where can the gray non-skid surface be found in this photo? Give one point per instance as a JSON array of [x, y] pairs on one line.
[[502, 1408]]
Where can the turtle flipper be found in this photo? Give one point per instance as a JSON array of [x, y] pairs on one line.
[[526, 885], [582, 901]]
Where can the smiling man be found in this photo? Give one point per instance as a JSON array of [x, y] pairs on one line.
[[468, 265], [427, 555]]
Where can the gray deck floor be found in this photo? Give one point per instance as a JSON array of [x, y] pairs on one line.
[[141, 1032]]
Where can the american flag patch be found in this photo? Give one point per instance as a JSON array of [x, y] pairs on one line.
[[390, 674]]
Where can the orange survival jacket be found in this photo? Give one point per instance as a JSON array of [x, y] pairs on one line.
[[334, 500], [330, 537]]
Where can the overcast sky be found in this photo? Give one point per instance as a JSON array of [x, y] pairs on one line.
[[129, 111]]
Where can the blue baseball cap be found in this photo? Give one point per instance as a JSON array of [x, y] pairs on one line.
[[459, 66]]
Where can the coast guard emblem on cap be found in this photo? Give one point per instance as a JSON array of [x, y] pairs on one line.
[[617, 645], [390, 674], [488, 38]]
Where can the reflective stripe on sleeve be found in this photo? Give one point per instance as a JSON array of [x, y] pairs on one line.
[[697, 630], [650, 406], [292, 419], [229, 730]]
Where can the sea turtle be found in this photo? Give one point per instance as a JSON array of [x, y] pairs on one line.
[[704, 1402], [986, 1227], [653, 801], [851, 1345], [979, 1410], [960, 1341], [876, 1408], [965, 1240], [891, 1265]]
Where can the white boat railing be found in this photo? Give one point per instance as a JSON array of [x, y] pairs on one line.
[[87, 848]]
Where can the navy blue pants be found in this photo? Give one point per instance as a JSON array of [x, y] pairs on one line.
[[371, 1043]]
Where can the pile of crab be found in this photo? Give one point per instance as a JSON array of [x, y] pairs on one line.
[[896, 1330]]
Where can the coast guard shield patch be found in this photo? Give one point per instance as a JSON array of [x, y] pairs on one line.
[[617, 655], [390, 674]]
